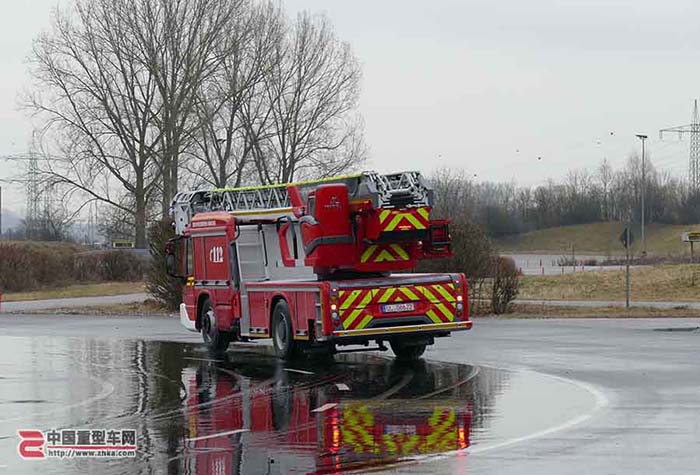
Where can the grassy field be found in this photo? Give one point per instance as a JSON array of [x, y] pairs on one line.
[[86, 290], [657, 283], [598, 238]]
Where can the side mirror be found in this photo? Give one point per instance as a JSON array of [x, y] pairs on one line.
[[173, 258], [171, 265]]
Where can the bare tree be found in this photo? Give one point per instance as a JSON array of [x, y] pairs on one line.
[[605, 178], [305, 124], [222, 149], [96, 104], [472, 252], [129, 90], [182, 43]]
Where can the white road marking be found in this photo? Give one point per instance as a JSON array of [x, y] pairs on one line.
[[342, 387], [325, 407], [220, 434], [292, 370], [601, 401]]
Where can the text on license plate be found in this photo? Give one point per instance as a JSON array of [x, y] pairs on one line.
[[398, 307]]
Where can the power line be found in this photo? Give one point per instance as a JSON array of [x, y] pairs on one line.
[[694, 153]]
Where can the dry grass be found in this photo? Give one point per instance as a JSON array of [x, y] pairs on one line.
[[143, 309], [657, 283], [598, 238], [83, 290], [543, 311]]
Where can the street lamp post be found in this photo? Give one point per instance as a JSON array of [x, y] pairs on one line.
[[644, 176]]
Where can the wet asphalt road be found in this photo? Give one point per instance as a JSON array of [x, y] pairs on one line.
[[605, 396]]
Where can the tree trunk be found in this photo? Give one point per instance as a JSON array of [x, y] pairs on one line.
[[140, 215], [167, 192]]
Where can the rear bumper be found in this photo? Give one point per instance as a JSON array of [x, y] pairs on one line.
[[427, 329], [185, 319]]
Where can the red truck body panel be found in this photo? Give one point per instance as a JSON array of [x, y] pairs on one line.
[[321, 310]]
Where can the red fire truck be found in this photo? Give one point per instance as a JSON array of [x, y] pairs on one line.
[[316, 265], [236, 424]]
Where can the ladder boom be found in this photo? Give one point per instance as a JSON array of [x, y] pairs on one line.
[[394, 190]]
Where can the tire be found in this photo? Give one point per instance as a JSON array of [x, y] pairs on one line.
[[282, 407], [282, 336], [216, 340], [405, 352]]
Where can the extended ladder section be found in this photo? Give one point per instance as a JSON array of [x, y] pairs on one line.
[[394, 190]]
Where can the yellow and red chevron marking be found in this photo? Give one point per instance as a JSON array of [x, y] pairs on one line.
[[358, 307], [357, 429], [404, 219], [362, 434], [375, 253], [437, 434], [443, 433]]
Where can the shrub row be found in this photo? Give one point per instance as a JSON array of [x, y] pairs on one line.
[[26, 266]]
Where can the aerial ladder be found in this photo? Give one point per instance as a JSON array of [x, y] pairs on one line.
[[386, 225]]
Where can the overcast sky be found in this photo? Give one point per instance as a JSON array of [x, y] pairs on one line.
[[480, 85]]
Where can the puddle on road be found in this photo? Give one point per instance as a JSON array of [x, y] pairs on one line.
[[250, 413]]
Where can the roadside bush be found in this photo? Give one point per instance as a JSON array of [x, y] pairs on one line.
[[165, 289], [86, 266], [27, 266], [506, 284], [12, 265], [472, 255], [32, 266], [493, 281], [122, 266], [96, 266]]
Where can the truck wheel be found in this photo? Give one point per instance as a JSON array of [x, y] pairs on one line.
[[407, 352], [217, 341], [282, 336]]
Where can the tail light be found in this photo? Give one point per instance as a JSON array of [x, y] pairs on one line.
[[335, 428], [333, 298], [439, 239], [461, 305], [462, 437]]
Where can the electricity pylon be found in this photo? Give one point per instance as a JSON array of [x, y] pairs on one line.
[[694, 157]]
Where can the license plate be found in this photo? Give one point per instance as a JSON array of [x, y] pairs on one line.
[[395, 429], [398, 307]]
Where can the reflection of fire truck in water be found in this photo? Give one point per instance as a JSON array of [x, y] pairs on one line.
[[235, 426], [310, 265]]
